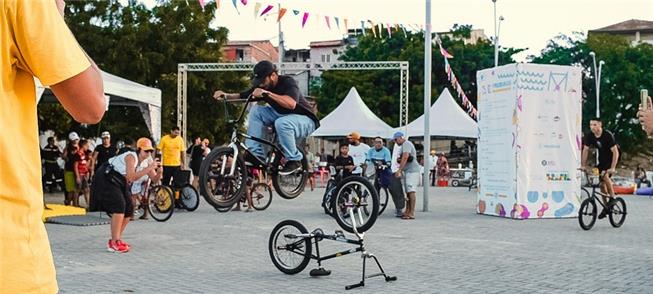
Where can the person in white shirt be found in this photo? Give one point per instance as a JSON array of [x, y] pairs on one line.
[[396, 187], [434, 165], [358, 151]]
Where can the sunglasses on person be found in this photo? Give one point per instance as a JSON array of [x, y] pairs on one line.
[[149, 151]]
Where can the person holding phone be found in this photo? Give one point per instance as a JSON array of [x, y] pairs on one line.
[[110, 192], [645, 113]]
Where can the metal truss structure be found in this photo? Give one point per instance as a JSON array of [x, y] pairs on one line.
[[287, 67]]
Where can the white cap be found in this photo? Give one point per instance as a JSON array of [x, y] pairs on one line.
[[73, 136], [105, 134]]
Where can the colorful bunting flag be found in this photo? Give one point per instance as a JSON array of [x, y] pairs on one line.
[[202, 4], [244, 2], [387, 26], [304, 19], [328, 23], [282, 12], [217, 4], [296, 12], [257, 7], [363, 28], [266, 10], [337, 22], [235, 5]]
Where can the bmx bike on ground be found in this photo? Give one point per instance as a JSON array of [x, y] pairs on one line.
[[615, 208], [223, 173], [291, 245]]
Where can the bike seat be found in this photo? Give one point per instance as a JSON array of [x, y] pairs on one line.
[[319, 272]]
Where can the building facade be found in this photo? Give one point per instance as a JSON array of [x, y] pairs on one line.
[[635, 30]]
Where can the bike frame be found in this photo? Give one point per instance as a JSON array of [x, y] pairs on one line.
[[236, 144], [595, 192]]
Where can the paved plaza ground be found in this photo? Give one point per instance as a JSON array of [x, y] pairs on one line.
[[449, 249]]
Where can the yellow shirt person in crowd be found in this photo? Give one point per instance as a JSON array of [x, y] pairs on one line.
[[35, 42], [173, 150]]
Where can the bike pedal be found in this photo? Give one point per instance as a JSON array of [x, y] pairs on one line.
[[319, 272]]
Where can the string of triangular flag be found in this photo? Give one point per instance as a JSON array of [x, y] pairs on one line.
[[451, 76], [379, 30]]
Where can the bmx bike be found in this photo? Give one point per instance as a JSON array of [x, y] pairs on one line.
[[223, 173], [615, 208]]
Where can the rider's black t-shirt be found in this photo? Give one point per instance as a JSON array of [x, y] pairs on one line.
[[288, 86], [103, 154], [603, 144], [344, 161]]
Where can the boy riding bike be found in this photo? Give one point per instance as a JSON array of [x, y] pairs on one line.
[[288, 112], [606, 145]]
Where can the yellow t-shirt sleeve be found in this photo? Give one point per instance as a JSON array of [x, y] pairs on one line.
[[47, 47], [161, 143]]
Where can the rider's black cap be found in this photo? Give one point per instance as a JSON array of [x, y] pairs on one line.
[[261, 71]]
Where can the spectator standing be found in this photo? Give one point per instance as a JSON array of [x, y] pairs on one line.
[[358, 151], [443, 167], [69, 169], [111, 193], [640, 177], [408, 171], [310, 159], [53, 174], [172, 148], [197, 152], [434, 166], [127, 145], [396, 186], [81, 169], [35, 42], [103, 152]]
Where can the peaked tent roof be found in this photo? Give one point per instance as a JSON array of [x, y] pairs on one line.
[[447, 119], [352, 115]]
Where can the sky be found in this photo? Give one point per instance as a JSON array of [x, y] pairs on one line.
[[528, 24]]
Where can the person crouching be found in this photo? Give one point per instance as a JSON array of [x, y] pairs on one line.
[[111, 193]]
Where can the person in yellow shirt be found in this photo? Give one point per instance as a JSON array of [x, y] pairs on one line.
[[173, 149], [35, 42]]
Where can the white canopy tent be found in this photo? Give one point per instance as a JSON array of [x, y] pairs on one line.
[[123, 92], [447, 119], [352, 115]]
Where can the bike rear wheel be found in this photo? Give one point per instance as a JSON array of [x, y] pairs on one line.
[[189, 197], [161, 203], [289, 253], [617, 212], [328, 194], [219, 188], [587, 214], [355, 202], [261, 196], [292, 185]]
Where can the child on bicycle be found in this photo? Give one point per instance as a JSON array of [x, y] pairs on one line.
[[344, 160]]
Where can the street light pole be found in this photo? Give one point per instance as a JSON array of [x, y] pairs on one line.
[[427, 106], [496, 36]]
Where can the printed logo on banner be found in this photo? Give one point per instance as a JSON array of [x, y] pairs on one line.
[[557, 81], [548, 163], [558, 176]]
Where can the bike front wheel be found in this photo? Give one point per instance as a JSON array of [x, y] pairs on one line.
[[587, 214], [261, 196], [289, 252], [617, 212], [161, 203], [189, 197], [355, 204], [291, 185], [328, 194], [218, 185]]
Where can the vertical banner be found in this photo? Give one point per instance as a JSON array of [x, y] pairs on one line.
[[529, 126]]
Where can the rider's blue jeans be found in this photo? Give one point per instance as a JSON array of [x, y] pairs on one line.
[[289, 128]]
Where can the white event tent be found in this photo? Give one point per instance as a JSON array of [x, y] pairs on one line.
[[352, 115], [122, 92], [447, 119]]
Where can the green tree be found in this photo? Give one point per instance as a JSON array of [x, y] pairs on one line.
[[145, 46], [628, 68], [380, 89]]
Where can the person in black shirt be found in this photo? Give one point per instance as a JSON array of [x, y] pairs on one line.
[[103, 152], [606, 146], [197, 153], [288, 111], [344, 160], [53, 174]]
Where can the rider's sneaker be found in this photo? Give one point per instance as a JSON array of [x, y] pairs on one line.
[[603, 213], [291, 167], [116, 247]]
